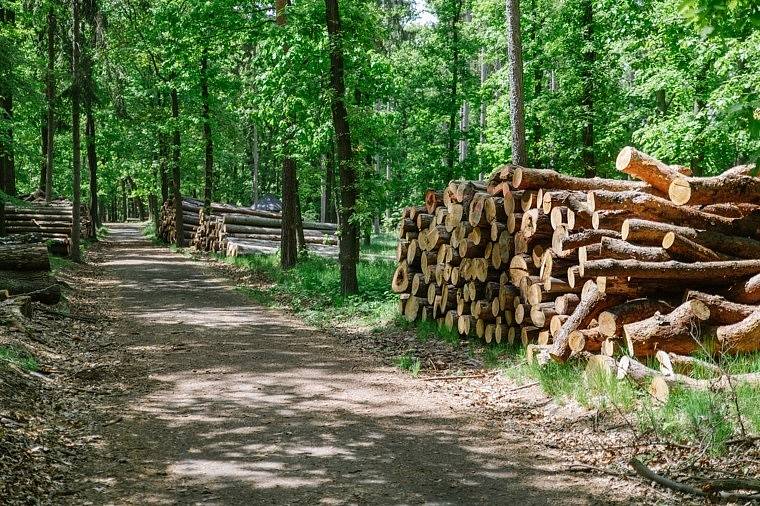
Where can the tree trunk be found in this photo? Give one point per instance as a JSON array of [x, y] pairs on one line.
[[7, 156], [92, 158], [209, 161], [453, 105], [50, 96], [176, 169], [516, 92], [76, 85], [289, 241], [43, 163], [163, 153], [349, 243], [253, 162], [677, 331], [589, 156], [330, 209]]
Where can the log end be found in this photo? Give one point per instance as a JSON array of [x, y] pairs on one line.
[[624, 158], [679, 191]]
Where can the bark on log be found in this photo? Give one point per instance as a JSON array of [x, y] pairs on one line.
[[260, 221], [24, 257], [653, 232], [707, 272], [646, 168], [622, 250], [741, 337], [746, 291], [682, 248], [534, 179], [714, 190], [592, 303], [677, 332], [611, 322], [657, 208], [722, 311]]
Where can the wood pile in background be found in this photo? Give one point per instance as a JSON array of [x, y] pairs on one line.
[[590, 267], [25, 269], [235, 230], [52, 221]]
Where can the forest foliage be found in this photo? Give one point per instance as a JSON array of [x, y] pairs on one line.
[[427, 101]]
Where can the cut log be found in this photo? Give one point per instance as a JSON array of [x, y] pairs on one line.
[[741, 337], [713, 190], [678, 331], [646, 168], [586, 340], [722, 311], [656, 208], [682, 248], [718, 273], [652, 233], [746, 291], [433, 199], [24, 257], [611, 322], [534, 179], [622, 250], [672, 363], [24, 282], [592, 303], [563, 240], [402, 278]]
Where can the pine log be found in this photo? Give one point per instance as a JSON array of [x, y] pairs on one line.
[[402, 278], [592, 303], [682, 248], [733, 210], [611, 247], [24, 257], [433, 199], [611, 321], [707, 272], [652, 233], [746, 291], [646, 168], [563, 240], [260, 221], [677, 331], [741, 337], [586, 340], [672, 363], [534, 179], [657, 208], [713, 190]]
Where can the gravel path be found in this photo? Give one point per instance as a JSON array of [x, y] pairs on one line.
[[226, 402]]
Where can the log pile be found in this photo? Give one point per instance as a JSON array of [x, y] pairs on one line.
[[25, 269], [667, 263], [167, 229], [234, 230], [52, 221]]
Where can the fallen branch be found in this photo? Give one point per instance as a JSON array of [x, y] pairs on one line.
[[445, 378]]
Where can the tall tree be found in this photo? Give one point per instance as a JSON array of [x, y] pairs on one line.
[[516, 91], [7, 149], [209, 160], [454, 93], [349, 230], [88, 60], [288, 236], [176, 192], [50, 97], [76, 86], [589, 56]]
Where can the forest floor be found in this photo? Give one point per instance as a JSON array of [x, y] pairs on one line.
[[188, 392]]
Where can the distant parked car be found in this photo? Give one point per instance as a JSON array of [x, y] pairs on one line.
[[268, 203]]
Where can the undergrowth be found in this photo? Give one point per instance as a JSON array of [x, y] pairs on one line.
[[409, 363], [16, 357]]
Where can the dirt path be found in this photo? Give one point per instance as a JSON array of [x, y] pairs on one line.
[[228, 403]]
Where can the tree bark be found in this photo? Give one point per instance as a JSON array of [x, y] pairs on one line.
[[76, 86], [719, 272], [678, 331], [646, 168], [176, 193], [209, 160], [741, 337], [722, 311], [535, 179], [611, 322], [50, 97], [453, 102], [653, 233], [7, 149], [714, 190], [746, 291], [24, 257], [349, 241], [516, 92], [589, 56], [622, 250], [89, 103]]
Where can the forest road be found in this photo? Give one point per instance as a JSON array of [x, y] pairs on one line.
[[227, 402]]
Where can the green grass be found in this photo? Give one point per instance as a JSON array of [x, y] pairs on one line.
[[18, 358], [409, 363], [312, 289]]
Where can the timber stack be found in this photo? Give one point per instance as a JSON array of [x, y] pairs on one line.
[[51, 221], [234, 230], [25, 269], [662, 266]]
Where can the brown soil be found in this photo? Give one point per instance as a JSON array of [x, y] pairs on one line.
[[217, 400]]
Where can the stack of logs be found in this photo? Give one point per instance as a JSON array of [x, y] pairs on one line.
[[25, 269], [576, 267], [52, 221], [234, 230], [167, 229]]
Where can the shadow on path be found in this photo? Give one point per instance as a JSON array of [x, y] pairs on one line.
[[231, 403]]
